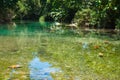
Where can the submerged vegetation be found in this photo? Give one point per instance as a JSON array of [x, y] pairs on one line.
[[78, 57]]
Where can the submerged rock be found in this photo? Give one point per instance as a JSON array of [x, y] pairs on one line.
[[15, 66], [100, 54]]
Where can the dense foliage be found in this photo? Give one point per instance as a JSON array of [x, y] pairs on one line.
[[6, 10], [96, 13]]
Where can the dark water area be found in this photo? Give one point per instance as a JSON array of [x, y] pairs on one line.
[[41, 70]]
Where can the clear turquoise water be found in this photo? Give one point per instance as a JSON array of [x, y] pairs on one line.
[[27, 27], [38, 70]]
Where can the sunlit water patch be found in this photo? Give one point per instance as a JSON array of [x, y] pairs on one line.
[[41, 70]]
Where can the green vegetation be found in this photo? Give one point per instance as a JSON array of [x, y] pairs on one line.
[[78, 57], [100, 13], [81, 37]]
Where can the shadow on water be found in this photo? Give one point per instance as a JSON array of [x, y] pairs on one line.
[[41, 70]]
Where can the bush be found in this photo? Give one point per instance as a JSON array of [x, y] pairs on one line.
[[118, 24], [86, 18]]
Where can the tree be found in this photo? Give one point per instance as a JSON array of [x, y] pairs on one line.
[[64, 10], [7, 10], [107, 12]]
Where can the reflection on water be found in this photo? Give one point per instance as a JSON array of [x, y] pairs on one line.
[[41, 70]]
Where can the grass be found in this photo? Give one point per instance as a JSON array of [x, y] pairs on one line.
[[78, 57]]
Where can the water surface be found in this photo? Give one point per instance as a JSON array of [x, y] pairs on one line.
[[26, 27]]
